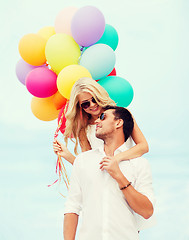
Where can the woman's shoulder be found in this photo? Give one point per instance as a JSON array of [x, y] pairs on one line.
[[93, 140], [90, 129]]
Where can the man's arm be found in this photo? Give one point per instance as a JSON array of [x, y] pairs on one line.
[[136, 200], [70, 226], [72, 206]]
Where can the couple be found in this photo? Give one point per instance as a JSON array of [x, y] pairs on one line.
[[111, 194]]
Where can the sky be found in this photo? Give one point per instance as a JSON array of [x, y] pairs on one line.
[[152, 55]]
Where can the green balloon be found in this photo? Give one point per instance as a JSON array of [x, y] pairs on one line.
[[119, 90], [109, 37]]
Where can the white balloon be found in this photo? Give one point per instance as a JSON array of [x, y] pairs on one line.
[[99, 59]]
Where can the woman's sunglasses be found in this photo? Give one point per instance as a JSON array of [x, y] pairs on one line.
[[87, 104]]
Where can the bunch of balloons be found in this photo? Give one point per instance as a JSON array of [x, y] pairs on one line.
[[80, 44]]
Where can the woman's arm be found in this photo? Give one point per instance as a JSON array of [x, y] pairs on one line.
[[62, 150], [139, 149]]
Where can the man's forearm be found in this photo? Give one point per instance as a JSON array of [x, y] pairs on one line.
[[137, 201], [70, 226]]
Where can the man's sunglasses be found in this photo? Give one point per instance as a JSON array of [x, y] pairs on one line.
[[102, 116], [87, 104]]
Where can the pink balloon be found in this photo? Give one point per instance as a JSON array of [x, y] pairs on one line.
[[63, 20], [41, 82], [88, 25]]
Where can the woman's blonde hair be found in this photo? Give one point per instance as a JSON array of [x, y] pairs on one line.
[[76, 118]]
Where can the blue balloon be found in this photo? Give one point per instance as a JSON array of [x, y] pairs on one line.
[[99, 59], [110, 37], [119, 90]]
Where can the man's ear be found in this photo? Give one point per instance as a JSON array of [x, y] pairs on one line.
[[119, 123]]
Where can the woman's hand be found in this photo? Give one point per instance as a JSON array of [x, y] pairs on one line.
[[61, 150]]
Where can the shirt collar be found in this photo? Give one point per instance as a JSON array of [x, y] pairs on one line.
[[122, 148]]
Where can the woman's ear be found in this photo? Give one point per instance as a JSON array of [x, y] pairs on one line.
[[119, 123]]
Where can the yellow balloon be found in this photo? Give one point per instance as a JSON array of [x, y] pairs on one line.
[[68, 76], [32, 49], [61, 50], [46, 32], [44, 108]]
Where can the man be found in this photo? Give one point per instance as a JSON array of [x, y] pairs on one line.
[[109, 195]]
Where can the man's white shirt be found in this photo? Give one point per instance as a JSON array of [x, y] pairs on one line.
[[106, 214]]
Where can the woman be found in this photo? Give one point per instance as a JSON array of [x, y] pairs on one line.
[[87, 100]]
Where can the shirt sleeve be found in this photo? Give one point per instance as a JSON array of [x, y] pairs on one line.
[[144, 180], [74, 199], [144, 186]]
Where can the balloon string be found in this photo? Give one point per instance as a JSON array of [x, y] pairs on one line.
[[60, 168], [62, 195], [81, 49], [53, 183], [64, 169], [62, 174]]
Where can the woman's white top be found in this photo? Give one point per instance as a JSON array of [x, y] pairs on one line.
[[96, 142]]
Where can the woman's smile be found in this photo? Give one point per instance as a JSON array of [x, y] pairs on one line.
[[94, 108]]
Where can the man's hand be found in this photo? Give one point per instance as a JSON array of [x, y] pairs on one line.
[[110, 164]]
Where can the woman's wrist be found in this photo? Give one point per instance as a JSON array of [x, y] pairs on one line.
[[117, 158], [68, 156], [71, 158]]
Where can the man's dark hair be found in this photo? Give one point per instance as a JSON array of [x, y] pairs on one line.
[[125, 115]]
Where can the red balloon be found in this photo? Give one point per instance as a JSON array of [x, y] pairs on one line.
[[63, 125], [113, 73]]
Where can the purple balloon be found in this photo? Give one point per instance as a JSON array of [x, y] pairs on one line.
[[22, 70], [87, 26]]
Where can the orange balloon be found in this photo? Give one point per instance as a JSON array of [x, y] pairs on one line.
[[32, 49], [58, 100], [44, 108]]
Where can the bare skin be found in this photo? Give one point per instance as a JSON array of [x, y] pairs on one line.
[[70, 226]]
